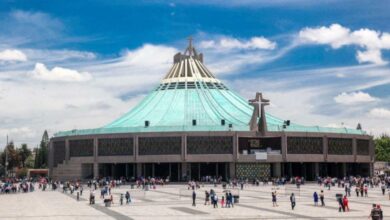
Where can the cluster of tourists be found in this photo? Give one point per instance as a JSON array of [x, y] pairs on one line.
[[16, 186], [211, 198], [151, 182]]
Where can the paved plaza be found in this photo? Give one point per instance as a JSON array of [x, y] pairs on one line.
[[175, 202]]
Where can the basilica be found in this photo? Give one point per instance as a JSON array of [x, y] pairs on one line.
[[192, 125]]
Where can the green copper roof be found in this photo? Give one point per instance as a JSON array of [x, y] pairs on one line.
[[190, 92]]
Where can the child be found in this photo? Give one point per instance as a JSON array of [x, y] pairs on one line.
[[223, 201], [345, 203]]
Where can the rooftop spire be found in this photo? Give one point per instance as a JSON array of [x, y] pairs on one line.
[[190, 49]]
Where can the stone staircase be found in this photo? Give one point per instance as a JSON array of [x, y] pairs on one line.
[[68, 171]]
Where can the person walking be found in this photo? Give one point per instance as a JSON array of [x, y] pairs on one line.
[[365, 191], [207, 198], [193, 198], [127, 197], [274, 203], [315, 197], [341, 204], [345, 203], [322, 197], [292, 200], [357, 190], [231, 198], [222, 201], [92, 197], [383, 188], [215, 201], [375, 213]]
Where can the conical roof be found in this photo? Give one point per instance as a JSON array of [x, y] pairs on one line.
[[191, 98]]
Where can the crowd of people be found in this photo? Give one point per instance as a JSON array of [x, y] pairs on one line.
[[227, 199], [16, 185]]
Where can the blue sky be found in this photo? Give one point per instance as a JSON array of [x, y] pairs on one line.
[[80, 64]]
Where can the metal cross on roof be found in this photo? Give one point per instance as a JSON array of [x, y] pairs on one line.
[[258, 112], [190, 49]]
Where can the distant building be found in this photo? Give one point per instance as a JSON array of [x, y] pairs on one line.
[[192, 125]]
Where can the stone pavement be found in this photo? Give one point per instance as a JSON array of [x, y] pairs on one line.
[[174, 202]]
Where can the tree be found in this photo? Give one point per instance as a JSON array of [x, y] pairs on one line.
[[30, 161], [382, 148], [41, 153], [13, 156], [24, 153]]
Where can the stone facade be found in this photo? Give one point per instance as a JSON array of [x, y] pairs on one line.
[[203, 147]]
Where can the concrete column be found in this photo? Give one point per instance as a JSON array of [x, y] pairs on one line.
[[95, 170], [317, 169], [184, 147], [232, 170], [371, 151], [354, 149], [344, 169], [226, 171], [284, 146], [198, 171], [170, 170], [95, 158], [236, 153], [67, 153], [135, 148], [95, 149], [50, 159], [184, 173], [139, 169], [325, 147], [277, 169]]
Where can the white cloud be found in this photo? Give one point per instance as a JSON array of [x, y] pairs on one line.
[[354, 98], [59, 55], [380, 113], [150, 55], [20, 132], [334, 35], [370, 56], [12, 55], [58, 74], [227, 43], [338, 36]]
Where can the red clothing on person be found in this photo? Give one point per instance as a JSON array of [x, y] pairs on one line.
[[345, 203]]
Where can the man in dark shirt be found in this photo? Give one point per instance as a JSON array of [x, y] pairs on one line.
[[193, 198], [375, 213]]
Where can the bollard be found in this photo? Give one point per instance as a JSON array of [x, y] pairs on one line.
[[78, 196]]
